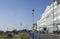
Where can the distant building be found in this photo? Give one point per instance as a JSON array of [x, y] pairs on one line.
[[50, 19]]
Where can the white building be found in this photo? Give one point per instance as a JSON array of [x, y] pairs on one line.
[[50, 19]]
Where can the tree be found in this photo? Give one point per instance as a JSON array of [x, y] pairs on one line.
[[9, 35], [15, 32]]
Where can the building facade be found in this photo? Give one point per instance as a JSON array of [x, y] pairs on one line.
[[50, 19]]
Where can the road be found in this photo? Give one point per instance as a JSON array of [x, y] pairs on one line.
[[49, 36]]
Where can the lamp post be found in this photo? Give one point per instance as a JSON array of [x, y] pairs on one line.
[[33, 18]]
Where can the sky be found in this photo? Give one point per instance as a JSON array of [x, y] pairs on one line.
[[13, 13]]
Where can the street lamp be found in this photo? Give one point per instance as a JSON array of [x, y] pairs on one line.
[[33, 17]]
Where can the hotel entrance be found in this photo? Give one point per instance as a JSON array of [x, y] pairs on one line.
[[44, 30]]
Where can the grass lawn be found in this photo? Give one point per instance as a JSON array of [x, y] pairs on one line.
[[22, 35]]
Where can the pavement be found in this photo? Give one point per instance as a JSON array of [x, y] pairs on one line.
[[56, 34], [44, 36], [49, 36]]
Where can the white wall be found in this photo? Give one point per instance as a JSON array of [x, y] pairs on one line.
[[47, 17]]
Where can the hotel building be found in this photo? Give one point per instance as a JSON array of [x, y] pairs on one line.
[[50, 19]]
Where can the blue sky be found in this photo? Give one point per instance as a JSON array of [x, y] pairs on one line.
[[16, 12]]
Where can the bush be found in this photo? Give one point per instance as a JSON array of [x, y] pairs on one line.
[[9, 35]]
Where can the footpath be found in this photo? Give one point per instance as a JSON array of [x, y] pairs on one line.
[[55, 34]]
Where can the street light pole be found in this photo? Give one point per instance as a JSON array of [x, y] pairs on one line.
[[33, 17], [33, 22]]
